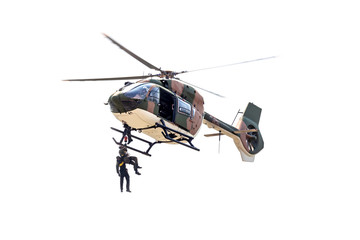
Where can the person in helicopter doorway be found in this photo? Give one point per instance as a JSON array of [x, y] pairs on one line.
[[129, 159], [123, 173]]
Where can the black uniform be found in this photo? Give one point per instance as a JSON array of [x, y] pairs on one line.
[[133, 161], [130, 160], [123, 173]]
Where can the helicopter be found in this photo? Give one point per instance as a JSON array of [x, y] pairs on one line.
[[170, 110]]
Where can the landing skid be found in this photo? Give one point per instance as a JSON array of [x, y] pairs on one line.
[[128, 133], [167, 132], [169, 137]]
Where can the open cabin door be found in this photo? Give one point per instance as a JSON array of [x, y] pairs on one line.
[[166, 105]]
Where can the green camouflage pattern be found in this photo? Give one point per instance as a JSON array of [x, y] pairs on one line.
[[181, 92]]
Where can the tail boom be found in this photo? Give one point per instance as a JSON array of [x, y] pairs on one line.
[[246, 135]]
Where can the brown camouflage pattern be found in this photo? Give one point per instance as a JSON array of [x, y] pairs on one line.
[[188, 94], [177, 87], [243, 136]]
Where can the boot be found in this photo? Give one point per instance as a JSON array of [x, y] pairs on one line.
[[128, 190], [138, 173]]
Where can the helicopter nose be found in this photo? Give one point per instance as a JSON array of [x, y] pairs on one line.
[[119, 103], [115, 103]]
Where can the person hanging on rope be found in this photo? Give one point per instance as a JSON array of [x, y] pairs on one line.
[[123, 173]]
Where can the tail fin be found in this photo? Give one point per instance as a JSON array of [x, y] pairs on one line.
[[246, 135]]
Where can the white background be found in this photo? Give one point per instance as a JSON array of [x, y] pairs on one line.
[[57, 171]]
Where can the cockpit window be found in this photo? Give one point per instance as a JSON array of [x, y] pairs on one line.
[[138, 92]]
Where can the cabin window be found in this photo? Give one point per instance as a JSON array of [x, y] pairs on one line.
[[193, 112], [154, 95], [184, 107]]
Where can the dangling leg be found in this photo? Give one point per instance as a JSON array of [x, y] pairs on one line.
[[134, 161], [121, 182], [127, 182]]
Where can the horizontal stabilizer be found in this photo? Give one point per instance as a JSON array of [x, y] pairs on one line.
[[213, 135]]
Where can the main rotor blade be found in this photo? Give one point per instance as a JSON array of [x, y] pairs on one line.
[[109, 79], [227, 65], [200, 88], [149, 65]]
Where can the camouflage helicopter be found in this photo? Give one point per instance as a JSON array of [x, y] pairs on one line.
[[170, 110]]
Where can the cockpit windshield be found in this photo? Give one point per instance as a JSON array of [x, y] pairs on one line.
[[139, 91]]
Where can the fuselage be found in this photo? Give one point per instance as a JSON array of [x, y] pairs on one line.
[[143, 104]]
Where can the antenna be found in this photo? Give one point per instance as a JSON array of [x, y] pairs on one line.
[[219, 142], [236, 116]]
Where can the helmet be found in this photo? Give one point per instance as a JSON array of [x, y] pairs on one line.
[[122, 151]]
